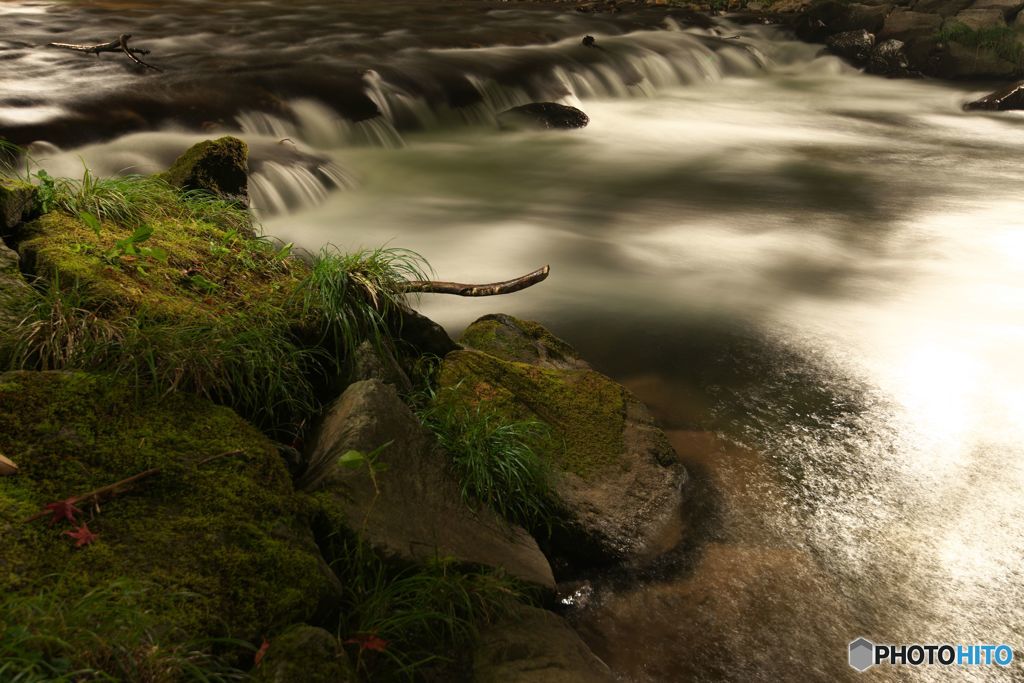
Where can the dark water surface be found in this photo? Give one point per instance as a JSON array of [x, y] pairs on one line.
[[815, 278]]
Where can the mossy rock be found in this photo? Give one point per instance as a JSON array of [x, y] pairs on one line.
[[219, 166], [15, 293], [304, 653], [618, 479], [17, 201], [210, 271], [229, 533]]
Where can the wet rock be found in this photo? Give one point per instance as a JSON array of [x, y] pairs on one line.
[[418, 513], [218, 166], [533, 645], [1007, 99], [17, 204], [1009, 8], [889, 59], [909, 25], [978, 19], [421, 334], [854, 46], [618, 479], [588, 41], [304, 653], [543, 115], [943, 8]]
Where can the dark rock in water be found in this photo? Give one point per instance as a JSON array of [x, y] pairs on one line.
[[533, 645], [304, 653], [1007, 99], [888, 59], [855, 46], [413, 507], [588, 41], [543, 115], [17, 202], [218, 166], [618, 479]]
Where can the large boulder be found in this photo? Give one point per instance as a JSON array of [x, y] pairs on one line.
[[218, 166], [1010, 97], [411, 505], [1009, 8], [907, 26], [543, 115], [533, 645], [304, 653], [978, 19], [617, 478], [961, 61], [219, 535], [943, 8], [17, 203]]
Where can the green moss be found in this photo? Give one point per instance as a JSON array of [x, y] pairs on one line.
[[1003, 41], [304, 653], [585, 409], [518, 340], [210, 271], [16, 200], [229, 531], [219, 166]]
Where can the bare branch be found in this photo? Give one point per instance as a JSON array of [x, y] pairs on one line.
[[459, 289], [119, 45]]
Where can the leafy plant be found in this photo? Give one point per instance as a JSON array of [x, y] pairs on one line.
[[497, 459], [131, 245], [105, 634]]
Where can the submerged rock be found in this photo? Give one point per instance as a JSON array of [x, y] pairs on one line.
[[855, 46], [618, 479], [1009, 98], [412, 506], [219, 166], [223, 545], [304, 653], [533, 645], [543, 115]]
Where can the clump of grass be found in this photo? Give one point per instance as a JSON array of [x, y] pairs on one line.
[[352, 296], [1004, 41], [104, 635], [497, 459], [420, 614]]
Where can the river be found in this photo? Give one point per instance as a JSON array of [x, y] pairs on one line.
[[815, 278]]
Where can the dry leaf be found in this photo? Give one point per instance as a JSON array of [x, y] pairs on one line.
[[7, 466]]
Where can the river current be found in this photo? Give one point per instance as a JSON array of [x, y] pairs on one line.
[[814, 277]]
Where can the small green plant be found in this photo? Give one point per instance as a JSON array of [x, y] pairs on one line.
[[132, 245], [106, 634], [497, 459]]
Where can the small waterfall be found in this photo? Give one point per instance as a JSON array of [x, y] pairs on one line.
[[278, 188]]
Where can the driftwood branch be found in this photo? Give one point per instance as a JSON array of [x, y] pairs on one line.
[[459, 289], [111, 490], [119, 45]]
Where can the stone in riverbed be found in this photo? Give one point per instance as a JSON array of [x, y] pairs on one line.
[[533, 645], [977, 19], [543, 115], [1009, 98], [617, 478], [854, 46], [889, 59], [419, 513], [218, 166]]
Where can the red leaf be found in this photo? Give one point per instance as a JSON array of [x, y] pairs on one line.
[[368, 641], [260, 653], [82, 535], [64, 509]]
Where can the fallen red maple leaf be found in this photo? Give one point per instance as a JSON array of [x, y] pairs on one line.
[[260, 653], [368, 641], [63, 509], [82, 535]]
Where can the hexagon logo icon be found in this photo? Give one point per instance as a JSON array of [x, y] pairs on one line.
[[862, 654]]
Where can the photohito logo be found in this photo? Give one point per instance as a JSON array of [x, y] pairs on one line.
[[864, 654]]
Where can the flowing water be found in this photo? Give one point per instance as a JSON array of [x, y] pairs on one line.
[[815, 278]]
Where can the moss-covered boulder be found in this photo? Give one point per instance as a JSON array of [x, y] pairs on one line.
[[224, 539], [533, 645], [304, 653], [17, 201], [410, 506], [618, 479], [219, 166]]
